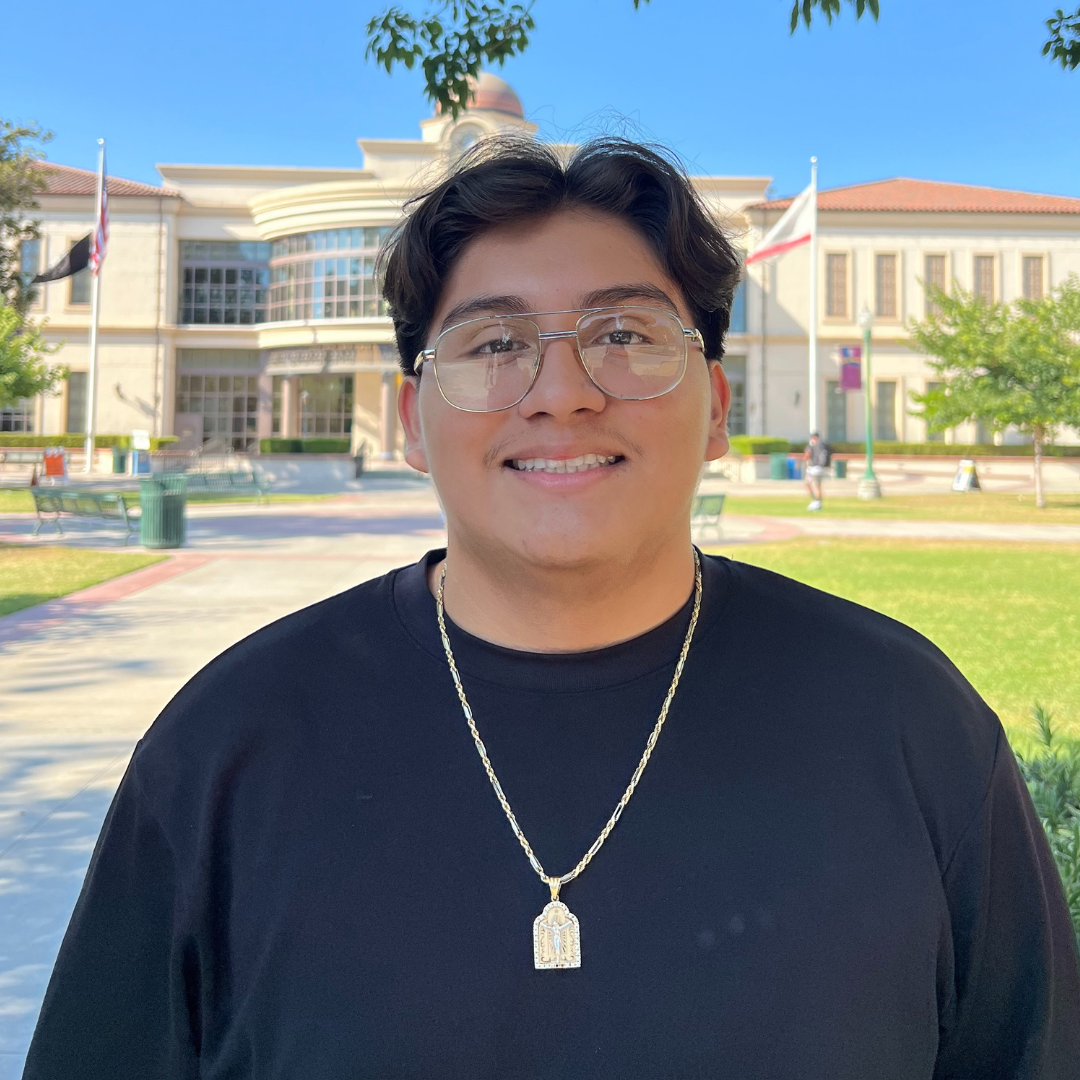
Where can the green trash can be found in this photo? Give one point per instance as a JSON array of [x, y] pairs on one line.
[[119, 460], [164, 503], [778, 468], [840, 468]]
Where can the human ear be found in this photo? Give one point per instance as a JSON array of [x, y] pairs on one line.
[[408, 405], [719, 403]]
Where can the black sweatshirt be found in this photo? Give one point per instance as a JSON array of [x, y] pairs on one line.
[[830, 870]]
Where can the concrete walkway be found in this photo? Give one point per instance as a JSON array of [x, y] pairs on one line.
[[81, 678]]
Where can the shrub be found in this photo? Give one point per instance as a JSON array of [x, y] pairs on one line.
[[1053, 778], [940, 449], [304, 446], [753, 445], [327, 446], [76, 441]]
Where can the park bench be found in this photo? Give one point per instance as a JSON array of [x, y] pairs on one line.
[[22, 457], [107, 506], [224, 484], [706, 511]]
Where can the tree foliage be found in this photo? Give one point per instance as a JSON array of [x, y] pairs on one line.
[[1063, 45], [804, 10], [24, 372], [1006, 364], [1052, 775], [20, 182], [454, 39]]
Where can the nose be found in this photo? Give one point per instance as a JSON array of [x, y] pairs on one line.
[[562, 387]]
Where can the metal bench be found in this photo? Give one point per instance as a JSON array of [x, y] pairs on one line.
[[22, 457], [107, 506], [705, 513], [223, 484]]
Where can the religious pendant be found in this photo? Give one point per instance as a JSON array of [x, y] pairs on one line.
[[556, 938]]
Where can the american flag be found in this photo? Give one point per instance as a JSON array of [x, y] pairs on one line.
[[101, 232]]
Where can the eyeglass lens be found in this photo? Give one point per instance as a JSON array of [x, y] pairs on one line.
[[631, 353]]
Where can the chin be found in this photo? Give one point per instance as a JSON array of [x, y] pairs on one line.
[[563, 552]]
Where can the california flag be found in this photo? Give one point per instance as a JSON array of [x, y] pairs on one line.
[[790, 231]]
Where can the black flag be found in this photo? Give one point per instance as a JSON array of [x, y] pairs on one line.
[[78, 258]]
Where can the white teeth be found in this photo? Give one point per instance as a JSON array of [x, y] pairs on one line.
[[564, 465]]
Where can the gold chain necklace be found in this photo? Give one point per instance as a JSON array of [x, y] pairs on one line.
[[556, 932]]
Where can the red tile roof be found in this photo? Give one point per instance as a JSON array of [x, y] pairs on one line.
[[930, 196], [67, 180]]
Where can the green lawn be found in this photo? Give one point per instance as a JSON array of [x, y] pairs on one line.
[[18, 500], [31, 576], [972, 506], [1008, 615]]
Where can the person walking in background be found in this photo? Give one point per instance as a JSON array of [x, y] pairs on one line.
[[818, 457]]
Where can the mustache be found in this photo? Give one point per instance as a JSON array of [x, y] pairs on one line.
[[496, 454]]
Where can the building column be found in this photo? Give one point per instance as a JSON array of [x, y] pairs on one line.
[[388, 416], [264, 417], [290, 406]]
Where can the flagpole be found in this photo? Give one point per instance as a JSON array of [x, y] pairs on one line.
[[812, 399], [95, 305]]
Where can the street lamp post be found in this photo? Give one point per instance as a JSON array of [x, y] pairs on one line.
[[869, 488]]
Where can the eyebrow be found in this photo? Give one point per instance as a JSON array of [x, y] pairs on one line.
[[621, 294], [509, 304], [484, 305]]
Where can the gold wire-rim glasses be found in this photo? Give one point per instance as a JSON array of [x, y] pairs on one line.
[[689, 335]]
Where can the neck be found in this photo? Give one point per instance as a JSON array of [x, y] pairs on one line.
[[537, 608]]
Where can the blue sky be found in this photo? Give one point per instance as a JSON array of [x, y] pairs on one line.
[[951, 90]]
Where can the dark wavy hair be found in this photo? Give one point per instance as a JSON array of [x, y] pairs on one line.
[[506, 180]]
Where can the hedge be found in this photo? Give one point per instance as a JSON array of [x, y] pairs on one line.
[[940, 449], [305, 446], [76, 442], [752, 445]]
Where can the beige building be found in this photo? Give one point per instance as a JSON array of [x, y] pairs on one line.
[[240, 303], [877, 244]]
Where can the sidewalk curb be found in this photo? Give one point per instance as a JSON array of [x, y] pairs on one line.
[[20, 625]]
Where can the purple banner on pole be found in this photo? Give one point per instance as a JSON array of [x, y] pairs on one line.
[[851, 367]]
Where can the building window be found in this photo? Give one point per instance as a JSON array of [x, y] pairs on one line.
[[29, 259], [836, 305], [933, 276], [228, 404], [735, 370], [885, 286], [18, 418], [885, 411], [75, 421], [983, 278], [337, 283], [80, 287], [326, 405], [738, 309], [1033, 277], [835, 412], [934, 436], [223, 282]]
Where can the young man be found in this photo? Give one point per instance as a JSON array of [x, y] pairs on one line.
[[817, 456], [548, 804]]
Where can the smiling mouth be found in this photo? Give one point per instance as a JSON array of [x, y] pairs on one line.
[[584, 463]]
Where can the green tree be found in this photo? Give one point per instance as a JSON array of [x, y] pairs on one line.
[[21, 180], [453, 39], [24, 372], [1006, 364]]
